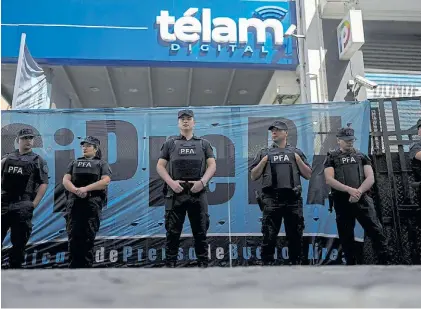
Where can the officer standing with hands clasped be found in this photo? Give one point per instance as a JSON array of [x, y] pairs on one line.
[[86, 181], [281, 166], [191, 165], [24, 181], [349, 174]]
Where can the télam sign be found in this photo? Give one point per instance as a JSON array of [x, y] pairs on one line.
[[220, 31], [192, 33]]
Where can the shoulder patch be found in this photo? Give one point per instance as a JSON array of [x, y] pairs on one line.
[[45, 168]]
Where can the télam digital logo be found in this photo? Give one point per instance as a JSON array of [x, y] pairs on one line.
[[223, 33]]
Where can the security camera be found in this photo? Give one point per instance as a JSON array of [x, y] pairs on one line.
[[291, 31], [365, 82], [350, 85]]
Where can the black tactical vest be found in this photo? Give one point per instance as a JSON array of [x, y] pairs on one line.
[[188, 159], [17, 171], [86, 172], [281, 171], [349, 169]]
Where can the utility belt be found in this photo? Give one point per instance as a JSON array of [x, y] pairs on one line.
[[283, 193], [8, 198]]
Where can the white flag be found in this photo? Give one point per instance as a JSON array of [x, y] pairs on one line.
[[32, 90]]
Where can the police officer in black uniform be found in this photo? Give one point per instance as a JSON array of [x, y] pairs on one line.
[[191, 166], [349, 174], [24, 180], [415, 157], [86, 182], [281, 166]]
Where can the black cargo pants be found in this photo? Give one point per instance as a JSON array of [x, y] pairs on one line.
[[17, 217], [365, 212], [278, 207], [82, 224], [176, 207]]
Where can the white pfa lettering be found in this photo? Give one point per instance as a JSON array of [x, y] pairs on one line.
[[186, 151], [15, 170], [191, 29], [281, 158], [348, 160], [84, 164]]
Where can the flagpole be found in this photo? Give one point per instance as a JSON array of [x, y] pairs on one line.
[[19, 69]]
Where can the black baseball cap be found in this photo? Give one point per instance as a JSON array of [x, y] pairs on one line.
[[279, 125], [346, 134], [91, 140], [185, 112], [419, 123], [26, 133]]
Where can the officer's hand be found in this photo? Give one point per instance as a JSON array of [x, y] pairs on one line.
[[82, 192], [265, 159], [176, 187], [197, 186], [355, 194], [352, 200], [83, 195]]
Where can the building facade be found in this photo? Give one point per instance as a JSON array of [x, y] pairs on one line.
[[126, 54]]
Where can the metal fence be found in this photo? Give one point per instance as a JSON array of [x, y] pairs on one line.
[[392, 131]]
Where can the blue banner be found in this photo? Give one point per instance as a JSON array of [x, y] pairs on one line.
[[131, 140], [231, 33]]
